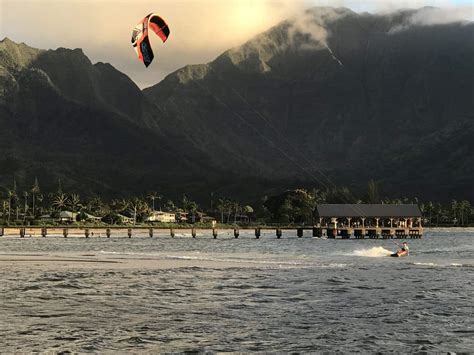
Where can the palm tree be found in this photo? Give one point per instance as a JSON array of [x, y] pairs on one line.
[[152, 196], [429, 207], [465, 209], [170, 206], [74, 202], [373, 195], [11, 197], [237, 210], [136, 206], [221, 207], [95, 205], [4, 209], [39, 199], [159, 197], [248, 210], [437, 209], [454, 209], [60, 200], [189, 207], [35, 190], [119, 205], [25, 196]]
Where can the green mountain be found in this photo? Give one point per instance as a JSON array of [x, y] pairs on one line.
[[338, 98], [87, 125], [329, 98]]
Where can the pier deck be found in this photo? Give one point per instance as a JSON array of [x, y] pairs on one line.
[[315, 231]]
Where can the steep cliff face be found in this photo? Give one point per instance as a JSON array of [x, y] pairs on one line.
[[61, 117], [356, 96]]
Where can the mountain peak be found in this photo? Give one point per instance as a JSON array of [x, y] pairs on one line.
[[13, 54]]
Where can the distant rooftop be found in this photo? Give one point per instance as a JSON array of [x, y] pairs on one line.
[[367, 210]]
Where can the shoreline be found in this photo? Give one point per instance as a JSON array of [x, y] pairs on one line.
[[102, 262]]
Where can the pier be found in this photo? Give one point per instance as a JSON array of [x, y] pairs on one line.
[[370, 221], [339, 221]]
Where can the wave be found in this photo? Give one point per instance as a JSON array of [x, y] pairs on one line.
[[256, 261], [429, 264], [236, 260], [375, 252], [425, 264]]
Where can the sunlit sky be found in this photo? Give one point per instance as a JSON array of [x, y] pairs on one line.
[[200, 29]]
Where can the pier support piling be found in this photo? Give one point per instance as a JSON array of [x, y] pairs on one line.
[[86, 232], [2, 231], [22, 232], [193, 232], [150, 232], [214, 233], [107, 232], [278, 233], [299, 232], [65, 232], [44, 232], [257, 233], [129, 232], [172, 232], [236, 233]]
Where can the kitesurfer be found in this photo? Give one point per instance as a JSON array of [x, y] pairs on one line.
[[404, 249]]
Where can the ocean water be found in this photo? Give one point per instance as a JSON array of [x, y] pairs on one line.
[[266, 295]]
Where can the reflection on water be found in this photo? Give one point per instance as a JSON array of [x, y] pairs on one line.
[[265, 295]]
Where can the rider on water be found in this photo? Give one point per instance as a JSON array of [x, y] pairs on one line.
[[404, 247]]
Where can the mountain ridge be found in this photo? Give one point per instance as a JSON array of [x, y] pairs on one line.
[[362, 79], [333, 97]]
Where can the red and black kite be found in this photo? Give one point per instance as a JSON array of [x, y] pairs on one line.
[[140, 40]]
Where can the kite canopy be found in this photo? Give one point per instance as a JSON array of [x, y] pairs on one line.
[[140, 40]]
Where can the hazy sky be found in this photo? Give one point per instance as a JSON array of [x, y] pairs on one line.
[[200, 29]]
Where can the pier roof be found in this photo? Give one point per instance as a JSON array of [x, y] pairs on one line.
[[367, 210]]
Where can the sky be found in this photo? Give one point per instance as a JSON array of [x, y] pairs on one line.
[[200, 29]]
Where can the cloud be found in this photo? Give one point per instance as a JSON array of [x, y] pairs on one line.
[[313, 24], [430, 16], [200, 29]]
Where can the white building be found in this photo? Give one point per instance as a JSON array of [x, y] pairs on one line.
[[67, 216], [163, 217]]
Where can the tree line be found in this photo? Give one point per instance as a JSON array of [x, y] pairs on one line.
[[292, 207]]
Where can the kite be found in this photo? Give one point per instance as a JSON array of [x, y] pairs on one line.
[[140, 40]]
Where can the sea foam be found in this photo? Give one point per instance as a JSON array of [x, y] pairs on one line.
[[375, 252]]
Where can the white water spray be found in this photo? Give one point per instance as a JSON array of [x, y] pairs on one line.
[[375, 252]]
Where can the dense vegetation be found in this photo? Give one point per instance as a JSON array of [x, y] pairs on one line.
[[32, 206]]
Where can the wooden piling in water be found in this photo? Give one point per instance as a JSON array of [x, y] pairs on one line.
[[44, 232], [172, 232], [236, 233], [150, 232], [2, 231], [193, 232], [257, 233], [86, 232], [299, 232], [278, 233], [107, 232], [22, 232], [65, 232], [129, 232], [214, 233]]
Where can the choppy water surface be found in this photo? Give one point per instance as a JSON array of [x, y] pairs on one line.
[[272, 295]]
